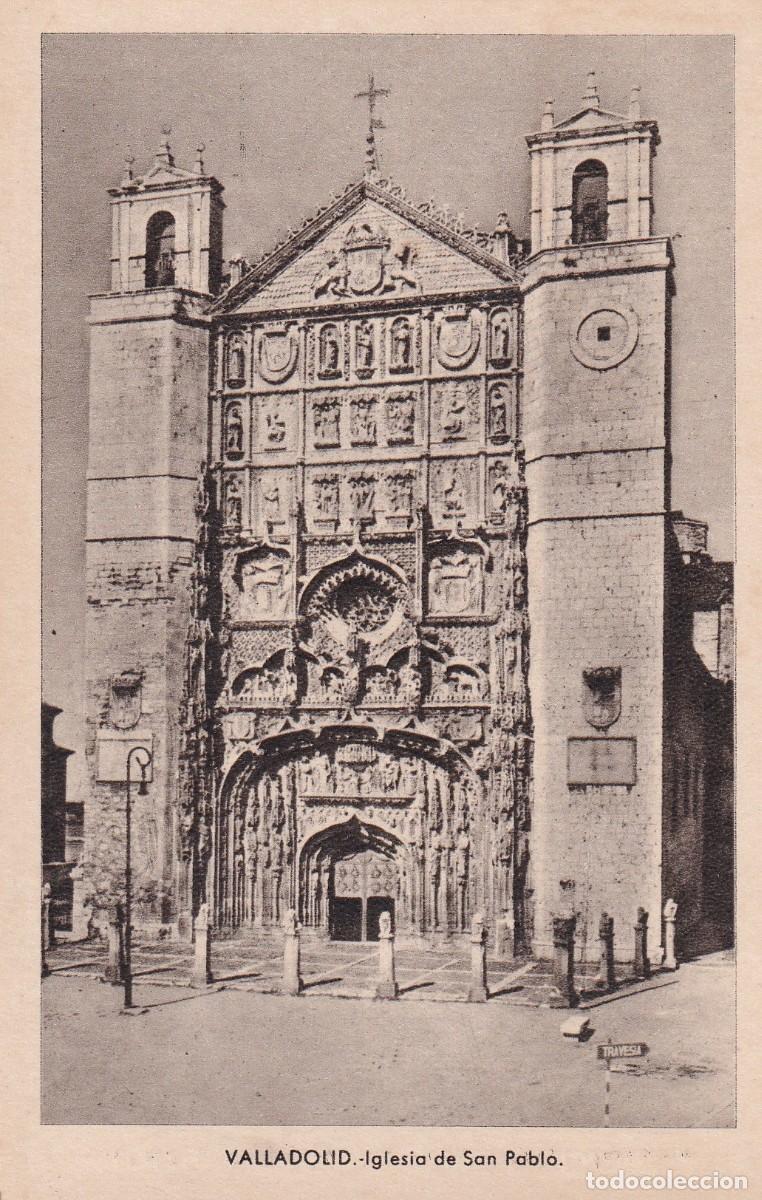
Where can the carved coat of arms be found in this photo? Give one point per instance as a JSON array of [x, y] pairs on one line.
[[366, 265], [125, 699], [457, 340], [602, 699], [277, 352]]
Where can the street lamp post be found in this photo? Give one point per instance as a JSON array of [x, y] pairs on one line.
[[144, 758]]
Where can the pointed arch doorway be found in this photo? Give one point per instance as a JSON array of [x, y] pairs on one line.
[[351, 873]]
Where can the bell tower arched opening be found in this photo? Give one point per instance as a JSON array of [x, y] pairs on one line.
[[160, 250], [590, 187]]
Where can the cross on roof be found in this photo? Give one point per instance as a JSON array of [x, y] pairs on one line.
[[374, 123]]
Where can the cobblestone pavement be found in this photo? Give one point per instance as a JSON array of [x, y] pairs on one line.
[[339, 969], [224, 1056]]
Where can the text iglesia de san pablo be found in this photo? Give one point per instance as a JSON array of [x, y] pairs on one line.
[[382, 568]]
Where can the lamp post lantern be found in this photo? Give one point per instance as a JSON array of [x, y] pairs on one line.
[[144, 758]]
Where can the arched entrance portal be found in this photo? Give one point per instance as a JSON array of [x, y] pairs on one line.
[[349, 874]]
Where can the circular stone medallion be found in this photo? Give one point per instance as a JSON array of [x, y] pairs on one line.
[[604, 337]]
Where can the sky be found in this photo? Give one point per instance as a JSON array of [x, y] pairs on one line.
[[283, 133]]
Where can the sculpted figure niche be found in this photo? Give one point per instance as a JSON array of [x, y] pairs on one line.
[[330, 352], [234, 431], [401, 357]]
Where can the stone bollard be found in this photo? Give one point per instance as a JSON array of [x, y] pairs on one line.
[[114, 972], [670, 913], [44, 928], [504, 937], [47, 939], [606, 977], [79, 915], [477, 991], [201, 973], [386, 988], [563, 962], [641, 965], [292, 977]]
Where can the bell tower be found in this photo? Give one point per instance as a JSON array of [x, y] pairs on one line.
[[149, 364], [596, 301]]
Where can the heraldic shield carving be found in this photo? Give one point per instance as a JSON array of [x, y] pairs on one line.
[[125, 699], [277, 352], [366, 265], [602, 698], [457, 340]]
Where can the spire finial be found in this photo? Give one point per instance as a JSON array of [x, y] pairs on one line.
[[547, 115], [590, 98], [371, 151], [164, 153], [634, 111], [198, 166]]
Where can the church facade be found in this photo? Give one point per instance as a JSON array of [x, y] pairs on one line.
[[380, 560]]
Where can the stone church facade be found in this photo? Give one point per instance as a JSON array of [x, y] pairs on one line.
[[380, 559]]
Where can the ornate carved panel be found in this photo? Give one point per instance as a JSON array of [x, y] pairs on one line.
[[455, 407]]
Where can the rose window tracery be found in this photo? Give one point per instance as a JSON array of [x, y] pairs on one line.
[[363, 595]]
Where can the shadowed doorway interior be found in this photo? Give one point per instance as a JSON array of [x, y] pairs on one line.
[[364, 886]]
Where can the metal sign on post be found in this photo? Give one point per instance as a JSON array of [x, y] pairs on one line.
[[610, 1052], [615, 1050]]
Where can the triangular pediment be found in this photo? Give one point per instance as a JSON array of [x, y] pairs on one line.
[[369, 244], [592, 118]]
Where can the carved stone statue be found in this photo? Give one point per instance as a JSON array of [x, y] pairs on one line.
[[236, 374], [233, 431], [363, 421], [330, 351], [454, 412], [233, 504], [500, 337], [400, 418], [326, 420], [271, 501], [499, 407], [326, 492], [364, 347], [274, 422], [402, 345]]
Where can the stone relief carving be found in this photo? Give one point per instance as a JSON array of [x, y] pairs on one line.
[[263, 578], [325, 492], [401, 345], [362, 492], [364, 266], [455, 579], [277, 354], [399, 493], [365, 349], [602, 696], [330, 352], [125, 699], [233, 502], [234, 434], [400, 418], [452, 488], [456, 339], [500, 350], [236, 361], [326, 417], [455, 405], [501, 414], [272, 422], [362, 420]]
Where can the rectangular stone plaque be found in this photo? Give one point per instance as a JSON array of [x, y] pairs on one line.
[[598, 760], [113, 747]]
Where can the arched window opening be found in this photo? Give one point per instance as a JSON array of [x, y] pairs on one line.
[[590, 202], [160, 251]]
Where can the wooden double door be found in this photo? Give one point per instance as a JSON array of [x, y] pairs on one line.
[[364, 886]]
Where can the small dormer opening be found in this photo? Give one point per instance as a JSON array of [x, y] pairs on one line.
[[160, 251], [590, 202]]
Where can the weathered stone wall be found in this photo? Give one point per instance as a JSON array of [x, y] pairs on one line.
[[149, 364], [594, 429]]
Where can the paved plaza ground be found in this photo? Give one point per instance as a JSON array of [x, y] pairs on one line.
[[239, 1054]]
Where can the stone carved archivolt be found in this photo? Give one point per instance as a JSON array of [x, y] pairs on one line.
[[277, 354]]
